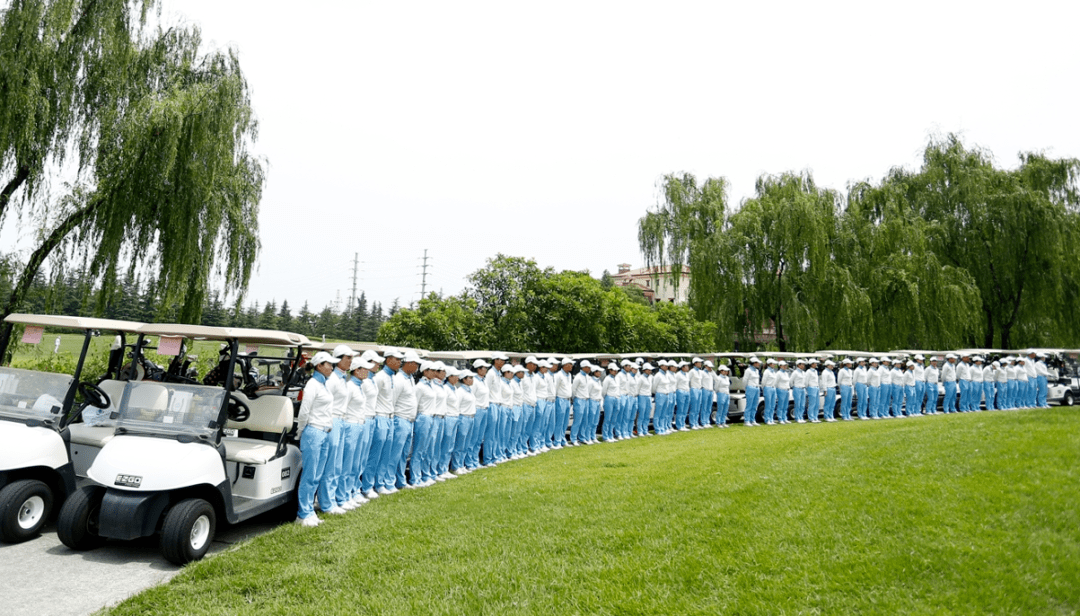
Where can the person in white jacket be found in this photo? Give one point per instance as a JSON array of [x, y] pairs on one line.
[[314, 421], [931, 375], [752, 385], [722, 386], [828, 387], [813, 382]]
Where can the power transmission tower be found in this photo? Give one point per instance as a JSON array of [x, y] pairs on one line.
[[355, 269], [423, 276]]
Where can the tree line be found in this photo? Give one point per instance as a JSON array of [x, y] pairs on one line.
[[956, 253], [75, 292], [513, 304]]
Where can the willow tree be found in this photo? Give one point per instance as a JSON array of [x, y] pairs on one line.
[[679, 234], [154, 136], [917, 300], [1014, 231]]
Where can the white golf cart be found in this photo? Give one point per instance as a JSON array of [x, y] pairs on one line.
[[186, 455], [42, 453]]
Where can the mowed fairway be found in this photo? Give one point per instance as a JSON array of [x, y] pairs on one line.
[[971, 513]]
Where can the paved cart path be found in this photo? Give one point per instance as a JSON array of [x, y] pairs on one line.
[[43, 577]]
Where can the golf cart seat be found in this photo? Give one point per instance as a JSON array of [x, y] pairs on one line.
[[270, 414], [102, 431]]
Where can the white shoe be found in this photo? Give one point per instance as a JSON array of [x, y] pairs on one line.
[[411, 486], [358, 500], [448, 476], [349, 506], [371, 494], [310, 522], [384, 491], [335, 510], [438, 478]]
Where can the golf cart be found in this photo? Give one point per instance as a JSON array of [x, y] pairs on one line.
[[186, 455], [42, 452]]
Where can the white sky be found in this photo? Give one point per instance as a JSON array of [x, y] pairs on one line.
[[542, 129]]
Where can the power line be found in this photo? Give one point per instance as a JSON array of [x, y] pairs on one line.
[[355, 268]]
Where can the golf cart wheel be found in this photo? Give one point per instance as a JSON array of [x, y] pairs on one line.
[[78, 523], [1068, 399], [24, 507], [188, 530]]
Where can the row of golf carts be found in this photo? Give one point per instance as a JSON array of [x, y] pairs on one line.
[[144, 450]]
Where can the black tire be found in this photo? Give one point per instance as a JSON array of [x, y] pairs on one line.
[[25, 506], [188, 531], [78, 523], [1068, 399]]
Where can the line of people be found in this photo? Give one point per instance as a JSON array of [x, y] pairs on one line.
[[879, 387], [371, 425]]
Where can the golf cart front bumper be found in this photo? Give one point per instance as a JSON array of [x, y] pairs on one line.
[[130, 515]]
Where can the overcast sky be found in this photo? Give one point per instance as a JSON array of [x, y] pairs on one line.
[[542, 129]]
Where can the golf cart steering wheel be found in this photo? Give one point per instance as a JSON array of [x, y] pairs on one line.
[[238, 410], [94, 395]]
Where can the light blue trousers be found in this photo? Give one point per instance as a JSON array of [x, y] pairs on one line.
[[812, 401], [350, 444], [723, 402], [314, 449], [770, 404], [562, 417], [750, 411], [328, 486], [863, 399], [381, 437]]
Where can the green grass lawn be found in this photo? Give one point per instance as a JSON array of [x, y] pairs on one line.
[[971, 514]]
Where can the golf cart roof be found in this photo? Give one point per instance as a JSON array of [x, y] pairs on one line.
[[465, 355], [359, 347], [49, 320], [203, 332]]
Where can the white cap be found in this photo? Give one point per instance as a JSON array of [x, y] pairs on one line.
[[886, 360], [585, 364], [553, 361], [451, 371], [440, 366], [466, 374], [696, 360], [321, 357], [829, 362], [708, 363], [781, 363], [343, 350], [800, 361], [874, 360], [647, 366], [995, 364], [977, 358], [361, 363], [754, 360], [518, 368], [426, 365], [372, 356], [394, 353], [771, 360], [813, 360], [919, 356], [566, 360], [411, 356], [531, 360], [508, 367], [846, 360], [910, 364], [625, 362], [499, 355], [950, 356], [724, 368], [479, 363]]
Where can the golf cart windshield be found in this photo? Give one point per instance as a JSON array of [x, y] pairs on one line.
[[26, 394], [169, 409]]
